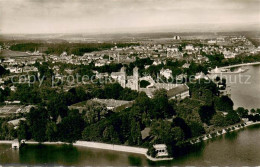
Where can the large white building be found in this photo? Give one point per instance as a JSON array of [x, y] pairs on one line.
[[131, 82], [189, 47], [161, 150], [167, 73], [174, 91]]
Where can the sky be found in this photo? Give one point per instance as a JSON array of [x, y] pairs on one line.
[[104, 16]]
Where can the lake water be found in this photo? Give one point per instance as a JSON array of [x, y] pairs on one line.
[[245, 88], [234, 149], [66, 155]]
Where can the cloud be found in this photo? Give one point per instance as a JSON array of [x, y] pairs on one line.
[[33, 16]]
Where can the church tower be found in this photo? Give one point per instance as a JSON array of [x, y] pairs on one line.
[[135, 79], [122, 79]]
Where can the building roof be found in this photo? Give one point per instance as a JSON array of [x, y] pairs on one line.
[[117, 73], [111, 102], [9, 109], [177, 90], [148, 91], [166, 86], [146, 132], [160, 146], [16, 121]]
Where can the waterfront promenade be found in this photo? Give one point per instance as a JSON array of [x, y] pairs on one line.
[[236, 127], [97, 145], [128, 149], [239, 65], [113, 147], [221, 70]]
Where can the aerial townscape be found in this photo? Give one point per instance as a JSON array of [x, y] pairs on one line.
[[129, 83], [162, 96]]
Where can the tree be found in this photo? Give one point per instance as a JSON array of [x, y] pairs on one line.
[[224, 82], [52, 131], [7, 91], [232, 117], [27, 94], [2, 70], [128, 94], [94, 132], [161, 107], [179, 122], [23, 131], [243, 113], [253, 111], [143, 103], [2, 96], [177, 134], [160, 130], [165, 132], [37, 120], [110, 135], [75, 95], [203, 90], [217, 78], [44, 70], [70, 128], [95, 112], [206, 113], [135, 137], [56, 106], [112, 91], [224, 103], [196, 128], [7, 131], [144, 84], [151, 151], [218, 120]]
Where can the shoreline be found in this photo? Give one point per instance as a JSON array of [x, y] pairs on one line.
[[236, 128], [135, 150], [239, 65], [97, 145], [232, 66]]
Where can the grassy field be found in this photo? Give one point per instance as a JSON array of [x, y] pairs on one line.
[[9, 53]]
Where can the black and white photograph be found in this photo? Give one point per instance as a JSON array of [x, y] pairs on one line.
[[130, 83]]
